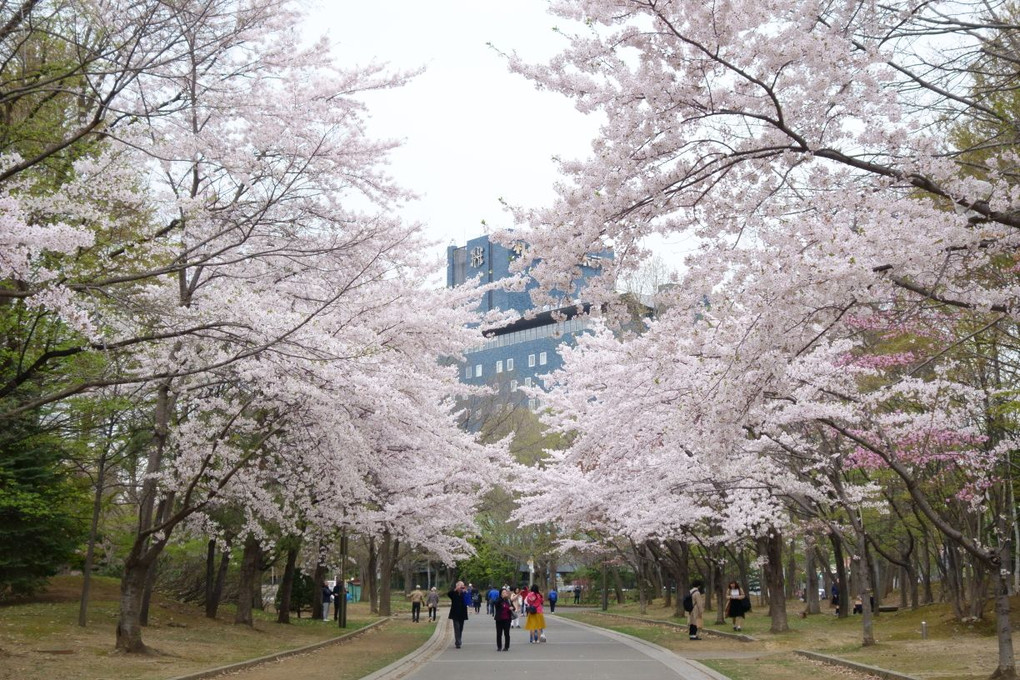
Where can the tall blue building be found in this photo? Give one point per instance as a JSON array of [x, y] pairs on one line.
[[518, 354]]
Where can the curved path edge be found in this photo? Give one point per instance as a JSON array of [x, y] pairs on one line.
[[440, 639], [241, 665], [686, 668], [864, 668]]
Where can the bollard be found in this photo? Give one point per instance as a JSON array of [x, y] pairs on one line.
[[924, 630]]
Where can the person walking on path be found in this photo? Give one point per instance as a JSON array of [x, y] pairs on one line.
[[736, 605], [490, 600], [577, 594], [697, 613], [553, 596], [503, 612], [535, 623], [458, 611], [432, 601], [517, 600], [417, 597], [476, 600]]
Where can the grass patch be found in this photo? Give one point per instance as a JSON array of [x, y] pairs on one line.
[[41, 639], [953, 651]]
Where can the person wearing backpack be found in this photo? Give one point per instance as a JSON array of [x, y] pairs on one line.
[[696, 613], [491, 598]]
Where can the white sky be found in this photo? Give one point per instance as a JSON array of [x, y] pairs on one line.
[[473, 131]]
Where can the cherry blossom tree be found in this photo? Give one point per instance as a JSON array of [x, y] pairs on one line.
[[804, 146], [214, 226]]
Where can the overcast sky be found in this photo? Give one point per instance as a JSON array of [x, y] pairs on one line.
[[473, 132]]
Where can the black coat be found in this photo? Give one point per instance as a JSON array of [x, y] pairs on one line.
[[504, 610], [458, 608]]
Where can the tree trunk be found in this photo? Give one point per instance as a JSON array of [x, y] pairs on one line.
[[618, 585], [640, 572], [841, 576], [318, 579], [386, 555], [213, 604], [90, 550], [811, 603], [1003, 628], [925, 567], [875, 573], [144, 551], [717, 588], [287, 586], [791, 570], [680, 552], [249, 568], [210, 573], [370, 577], [954, 579], [132, 589], [772, 548], [864, 584], [906, 586]]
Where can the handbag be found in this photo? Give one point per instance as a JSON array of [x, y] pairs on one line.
[[531, 610]]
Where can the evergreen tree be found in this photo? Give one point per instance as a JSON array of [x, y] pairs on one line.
[[42, 509]]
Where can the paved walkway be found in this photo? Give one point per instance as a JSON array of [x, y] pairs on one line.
[[575, 651]]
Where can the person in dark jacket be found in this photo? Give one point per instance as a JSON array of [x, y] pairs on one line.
[[503, 612], [458, 611]]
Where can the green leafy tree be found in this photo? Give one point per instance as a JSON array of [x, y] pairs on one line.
[[42, 508]]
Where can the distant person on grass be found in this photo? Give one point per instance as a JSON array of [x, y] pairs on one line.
[[736, 605], [417, 597], [458, 611], [326, 595], [697, 612], [339, 594]]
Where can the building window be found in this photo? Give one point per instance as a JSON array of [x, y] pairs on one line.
[[527, 382], [532, 404], [509, 365], [513, 385], [541, 359], [499, 366], [467, 372], [531, 361], [478, 370]]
